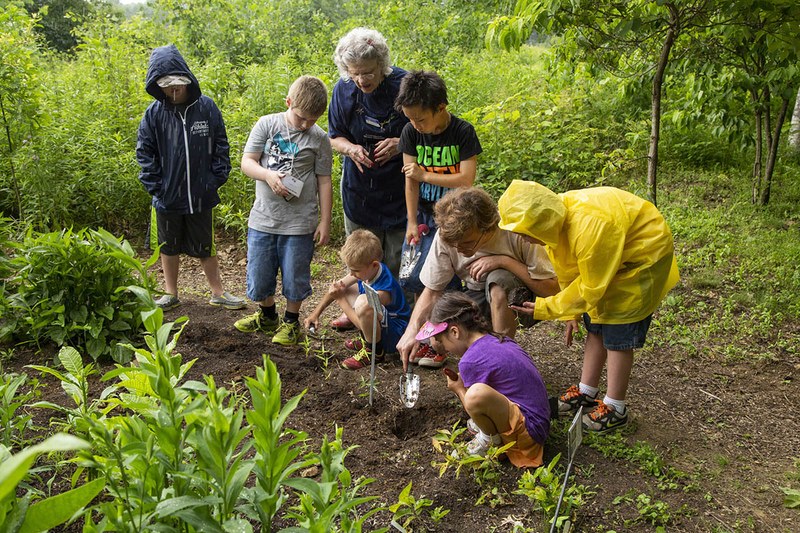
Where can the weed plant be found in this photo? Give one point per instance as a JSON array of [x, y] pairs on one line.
[[486, 470], [84, 288], [543, 487], [643, 456], [407, 509]]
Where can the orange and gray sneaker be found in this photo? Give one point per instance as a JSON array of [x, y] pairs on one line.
[[361, 360], [574, 399], [604, 419]]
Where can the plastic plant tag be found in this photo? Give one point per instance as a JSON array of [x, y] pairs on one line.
[[409, 388], [294, 185], [575, 434]]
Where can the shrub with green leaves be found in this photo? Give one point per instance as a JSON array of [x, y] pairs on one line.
[[84, 288]]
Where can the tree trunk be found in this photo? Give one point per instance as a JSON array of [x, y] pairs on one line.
[[794, 132], [14, 182], [655, 107], [772, 156], [759, 145]]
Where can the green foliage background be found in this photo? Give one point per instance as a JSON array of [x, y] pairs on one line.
[[67, 156]]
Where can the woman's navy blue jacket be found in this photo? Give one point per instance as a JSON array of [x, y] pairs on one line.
[[183, 155]]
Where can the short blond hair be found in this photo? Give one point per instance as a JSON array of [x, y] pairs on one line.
[[361, 248], [309, 95], [464, 209]]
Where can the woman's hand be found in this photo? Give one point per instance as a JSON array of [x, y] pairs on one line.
[[360, 156], [386, 150]]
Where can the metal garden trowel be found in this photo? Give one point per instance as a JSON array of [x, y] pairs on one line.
[[409, 388]]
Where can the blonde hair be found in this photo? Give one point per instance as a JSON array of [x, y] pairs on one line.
[[361, 248], [464, 209], [309, 95], [359, 45]]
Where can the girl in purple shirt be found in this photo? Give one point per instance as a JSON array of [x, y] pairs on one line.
[[499, 385]]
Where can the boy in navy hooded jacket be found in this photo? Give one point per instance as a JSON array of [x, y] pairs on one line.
[[182, 149]]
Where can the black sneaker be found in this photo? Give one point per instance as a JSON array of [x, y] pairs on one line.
[[604, 419], [573, 399]]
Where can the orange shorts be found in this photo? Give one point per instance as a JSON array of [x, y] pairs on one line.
[[525, 451]]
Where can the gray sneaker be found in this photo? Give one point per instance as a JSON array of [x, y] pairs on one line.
[[228, 301], [168, 301]]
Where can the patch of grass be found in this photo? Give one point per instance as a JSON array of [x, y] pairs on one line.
[[640, 454], [738, 262]]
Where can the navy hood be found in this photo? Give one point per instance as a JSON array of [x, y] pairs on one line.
[[166, 61]]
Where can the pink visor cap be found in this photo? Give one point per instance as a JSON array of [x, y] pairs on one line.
[[429, 329]]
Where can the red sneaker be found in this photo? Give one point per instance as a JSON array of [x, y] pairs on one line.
[[353, 345], [427, 357], [342, 323], [361, 360]]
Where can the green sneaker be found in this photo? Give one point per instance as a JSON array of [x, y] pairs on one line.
[[288, 334], [257, 322]]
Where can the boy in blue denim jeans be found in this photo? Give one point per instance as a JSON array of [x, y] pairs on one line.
[[362, 253], [289, 157]]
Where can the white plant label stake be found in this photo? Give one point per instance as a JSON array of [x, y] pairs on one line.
[[374, 302], [574, 439]]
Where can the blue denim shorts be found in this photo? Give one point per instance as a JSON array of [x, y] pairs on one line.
[[391, 330], [266, 253], [620, 337]]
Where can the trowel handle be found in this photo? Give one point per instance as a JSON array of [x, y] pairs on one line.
[[450, 374]]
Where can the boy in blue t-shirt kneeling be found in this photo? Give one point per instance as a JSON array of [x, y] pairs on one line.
[[362, 253]]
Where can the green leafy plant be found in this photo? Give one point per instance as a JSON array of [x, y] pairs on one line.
[[277, 447], [654, 512], [485, 469], [16, 391], [85, 288], [543, 486], [75, 382], [791, 497], [639, 453], [20, 515], [331, 504], [408, 508]]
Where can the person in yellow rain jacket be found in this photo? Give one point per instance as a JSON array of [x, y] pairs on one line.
[[614, 257]]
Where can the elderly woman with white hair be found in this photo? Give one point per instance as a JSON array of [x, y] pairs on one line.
[[365, 127]]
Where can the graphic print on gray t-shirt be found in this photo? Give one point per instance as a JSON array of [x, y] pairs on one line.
[[306, 154]]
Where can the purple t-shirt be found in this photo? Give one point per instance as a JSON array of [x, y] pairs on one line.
[[505, 367]]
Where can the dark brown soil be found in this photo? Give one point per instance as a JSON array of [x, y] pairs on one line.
[[729, 429]]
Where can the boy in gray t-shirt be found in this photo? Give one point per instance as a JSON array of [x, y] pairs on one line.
[[289, 157]]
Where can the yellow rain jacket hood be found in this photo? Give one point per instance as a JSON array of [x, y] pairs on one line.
[[612, 251]]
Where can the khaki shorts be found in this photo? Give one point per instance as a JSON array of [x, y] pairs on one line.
[[525, 451]]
